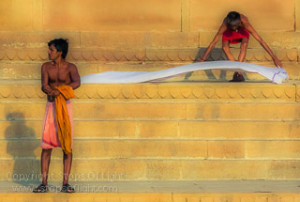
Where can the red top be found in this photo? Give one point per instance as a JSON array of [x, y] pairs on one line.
[[235, 36]]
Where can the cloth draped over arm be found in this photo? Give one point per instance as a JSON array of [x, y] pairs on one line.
[[62, 117]]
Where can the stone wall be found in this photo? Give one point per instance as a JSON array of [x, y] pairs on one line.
[[143, 31], [144, 15]]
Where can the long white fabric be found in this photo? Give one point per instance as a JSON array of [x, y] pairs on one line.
[[274, 74]]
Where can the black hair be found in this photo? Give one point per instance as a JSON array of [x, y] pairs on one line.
[[61, 45], [233, 18]]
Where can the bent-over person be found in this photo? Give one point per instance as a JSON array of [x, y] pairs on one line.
[[236, 28]]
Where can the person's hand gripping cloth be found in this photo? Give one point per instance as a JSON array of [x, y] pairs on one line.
[[62, 117]]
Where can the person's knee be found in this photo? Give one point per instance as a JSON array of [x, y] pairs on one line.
[[46, 152], [244, 43], [225, 47], [68, 155]]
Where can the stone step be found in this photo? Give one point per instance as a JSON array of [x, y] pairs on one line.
[[287, 111], [154, 169], [145, 54], [32, 70], [161, 129], [194, 188], [150, 197], [204, 92], [161, 149], [137, 39], [117, 46]]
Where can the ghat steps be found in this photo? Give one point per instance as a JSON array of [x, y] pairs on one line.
[[150, 197], [22, 53], [162, 131], [190, 129]]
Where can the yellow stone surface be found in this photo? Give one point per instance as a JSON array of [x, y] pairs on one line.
[[224, 150], [163, 197], [150, 197], [264, 15], [240, 112], [16, 15], [157, 129], [157, 169], [119, 15], [298, 92], [239, 130], [239, 169], [166, 91], [162, 111], [154, 129], [112, 149], [273, 149], [183, 130], [297, 16], [150, 16], [160, 131]]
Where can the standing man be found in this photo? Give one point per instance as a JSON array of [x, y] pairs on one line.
[[59, 78], [235, 29]]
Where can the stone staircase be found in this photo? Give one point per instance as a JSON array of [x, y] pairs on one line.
[[154, 138]]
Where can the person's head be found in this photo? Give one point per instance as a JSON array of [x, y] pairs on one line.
[[233, 20], [58, 47]]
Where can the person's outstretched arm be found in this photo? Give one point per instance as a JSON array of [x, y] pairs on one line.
[[252, 31], [219, 34]]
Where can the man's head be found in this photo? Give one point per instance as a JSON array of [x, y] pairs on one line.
[[59, 45], [233, 20]]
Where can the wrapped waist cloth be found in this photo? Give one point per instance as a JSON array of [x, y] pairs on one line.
[[235, 36], [50, 137]]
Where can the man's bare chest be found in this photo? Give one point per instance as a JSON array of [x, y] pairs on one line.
[[58, 74]]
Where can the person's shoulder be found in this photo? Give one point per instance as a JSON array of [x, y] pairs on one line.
[[71, 65], [244, 19], [223, 27], [46, 64]]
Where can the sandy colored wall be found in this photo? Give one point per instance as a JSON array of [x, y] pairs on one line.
[[143, 15], [143, 30]]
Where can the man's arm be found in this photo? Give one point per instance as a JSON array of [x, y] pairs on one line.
[[45, 81], [75, 78], [219, 34], [244, 45], [249, 27]]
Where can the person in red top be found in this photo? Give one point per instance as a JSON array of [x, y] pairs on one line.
[[236, 28]]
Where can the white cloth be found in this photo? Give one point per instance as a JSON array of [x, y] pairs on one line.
[[276, 75]]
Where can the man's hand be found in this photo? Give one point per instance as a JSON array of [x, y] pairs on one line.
[[277, 62], [54, 93]]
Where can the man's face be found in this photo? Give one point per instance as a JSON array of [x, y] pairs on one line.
[[235, 25], [53, 54]]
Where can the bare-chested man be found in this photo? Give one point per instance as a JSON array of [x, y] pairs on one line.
[[58, 72], [235, 29]]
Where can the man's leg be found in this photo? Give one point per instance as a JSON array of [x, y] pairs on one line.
[[67, 167], [45, 163], [226, 49], [243, 49], [237, 76]]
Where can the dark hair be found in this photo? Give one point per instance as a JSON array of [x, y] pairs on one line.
[[233, 18], [61, 45]]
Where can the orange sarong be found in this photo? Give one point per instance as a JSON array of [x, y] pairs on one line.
[[57, 130]]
